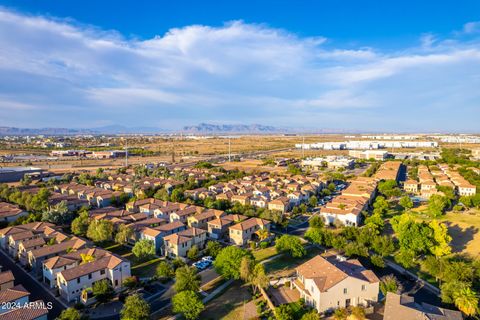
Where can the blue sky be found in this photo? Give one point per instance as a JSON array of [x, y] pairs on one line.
[[360, 65]]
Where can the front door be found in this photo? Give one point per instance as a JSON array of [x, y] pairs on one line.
[[347, 303]]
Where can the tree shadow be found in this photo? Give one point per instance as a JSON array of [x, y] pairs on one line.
[[460, 236]]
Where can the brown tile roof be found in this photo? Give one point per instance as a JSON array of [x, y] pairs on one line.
[[13, 294], [249, 223], [220, 222], [192, 232], [26, 313], [400, 307], [327, 274], [75, 243], [106, 262], [27, 244], [6, 276], [176, 239]]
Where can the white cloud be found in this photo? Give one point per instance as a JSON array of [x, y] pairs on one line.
[[69, 73], [471, 27]]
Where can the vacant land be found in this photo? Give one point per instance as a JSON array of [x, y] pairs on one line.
[[233, 304], [464, 228], [251, 165]]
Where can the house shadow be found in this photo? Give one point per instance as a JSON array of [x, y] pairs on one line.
[[460, 236]]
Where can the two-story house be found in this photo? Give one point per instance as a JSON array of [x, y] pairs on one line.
[[330, 284], [245, 231]]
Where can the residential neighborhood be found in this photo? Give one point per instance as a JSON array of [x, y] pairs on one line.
[[239, 160]]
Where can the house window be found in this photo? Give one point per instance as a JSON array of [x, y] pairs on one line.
[[78, 280], [102, 271], [90, 276], [345, 291], [364, 287], [116, 283]]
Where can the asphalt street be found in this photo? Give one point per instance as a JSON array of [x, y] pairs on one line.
[[37, 291]]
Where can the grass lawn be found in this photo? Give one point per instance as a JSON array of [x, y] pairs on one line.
[[119, 249], [213, 284], [233, 304], [146, 269], [284, 265], [262, 254]]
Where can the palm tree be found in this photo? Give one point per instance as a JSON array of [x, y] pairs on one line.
[[263, 234], [466, 301], [86, 258], [340, 314], [358, 313]]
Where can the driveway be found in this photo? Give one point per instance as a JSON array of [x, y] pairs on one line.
[[37, 291]]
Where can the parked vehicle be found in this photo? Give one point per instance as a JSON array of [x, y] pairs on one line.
[[208, 258], [202, 264]]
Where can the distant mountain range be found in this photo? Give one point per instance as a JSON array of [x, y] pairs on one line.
[[206, 128], [114, 129], [200, 129]]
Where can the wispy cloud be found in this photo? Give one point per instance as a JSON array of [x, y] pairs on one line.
[[69, 74], [471, 27]]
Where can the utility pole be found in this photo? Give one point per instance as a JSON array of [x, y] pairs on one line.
[[126, 152], [303, 146], [229, 150]]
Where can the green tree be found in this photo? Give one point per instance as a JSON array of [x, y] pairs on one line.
[[415, 237], [313, 201], [383, 245], [375, 221], [80, 224], [466, 300], [406, 258], [449, 290], [164, 270], [130, 282], [228, 260], [380, 206], [246, 269], [187, 303], [102, 290], [284, 312], [124, 233], [340, 314], [314, 235], [316, 222], [70, 314], [187, 278], [213, 248], [193, 253], [100, 230], [143, 249], [176, 196], [290, 244], [441, 239], [377, 260], [259, 278], [389, 284], [311, 315], [406, 202], [58, 214], [135, 308], [389, 188], [437, 205]]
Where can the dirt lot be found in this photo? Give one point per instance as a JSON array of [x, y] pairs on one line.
[[464, 228]]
